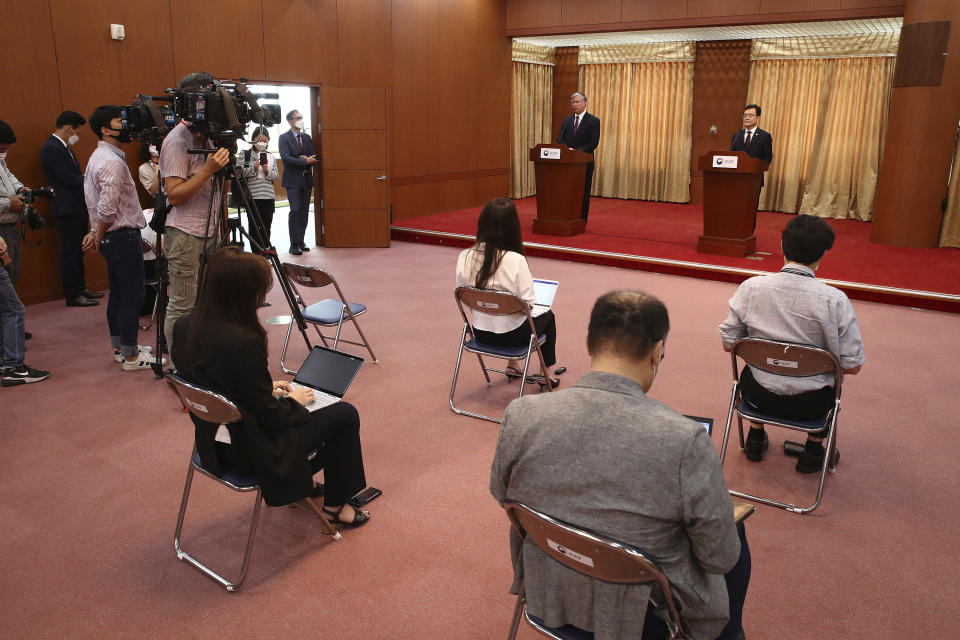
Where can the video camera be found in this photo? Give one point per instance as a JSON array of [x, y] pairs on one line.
[[29, 213], [221, 111]]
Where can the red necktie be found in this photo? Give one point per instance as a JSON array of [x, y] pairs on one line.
[[746, 140], [576, 123], [299, 142]]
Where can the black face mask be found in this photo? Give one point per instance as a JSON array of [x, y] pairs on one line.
[[123, 135]]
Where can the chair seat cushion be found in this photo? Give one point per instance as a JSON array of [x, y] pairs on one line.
[[567, 631], [500, 352], [328, 311], [750, 412], [239, 479]]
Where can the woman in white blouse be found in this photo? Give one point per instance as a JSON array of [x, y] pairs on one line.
[[496, 262], [260, 168]]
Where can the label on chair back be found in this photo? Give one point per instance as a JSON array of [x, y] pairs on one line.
[[573, 555], [487, 305], [785, 364], [196, 405]]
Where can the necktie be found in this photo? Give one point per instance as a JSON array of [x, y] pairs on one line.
[[746, 140], [74, 157], [299, 142], [576, 123]]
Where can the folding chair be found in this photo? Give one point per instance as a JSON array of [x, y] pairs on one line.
[[331, 312], [496, 303], [793, 360], [153, 283], [207, 406], [596, 557]]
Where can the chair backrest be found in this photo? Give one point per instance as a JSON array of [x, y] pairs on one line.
[[204, 404], [145, 245], [589, 553], [489, 301], [785, 359], [308, 276]]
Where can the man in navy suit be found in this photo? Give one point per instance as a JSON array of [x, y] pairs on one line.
[[299, 156], [62, 169], [752, 139], [581, 131]]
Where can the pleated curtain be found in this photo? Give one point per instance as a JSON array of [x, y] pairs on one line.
[[532, 108], [950, 231]]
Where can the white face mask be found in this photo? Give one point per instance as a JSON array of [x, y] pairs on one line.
[[3, 155], [300, 125], [261, 146], [153, 150], [72, 140]]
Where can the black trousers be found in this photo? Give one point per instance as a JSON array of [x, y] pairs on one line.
[[335, 433], [72, 229], [266, 209], [808, 405], [588, 187], [546, 323]]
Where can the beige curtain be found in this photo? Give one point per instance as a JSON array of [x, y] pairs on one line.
[[645, 111], [532, 109], [827, 116], [950, 231]]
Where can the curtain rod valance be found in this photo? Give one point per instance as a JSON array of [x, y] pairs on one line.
[[649, 52], [856, 46], [534, 54]]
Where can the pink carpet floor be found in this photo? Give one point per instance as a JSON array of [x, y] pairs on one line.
[[93, 460], [667, 231]]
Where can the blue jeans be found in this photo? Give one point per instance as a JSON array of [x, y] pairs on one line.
[[299, 200], [122, 250], [12, 316]]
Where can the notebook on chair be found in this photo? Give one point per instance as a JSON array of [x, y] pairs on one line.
[[328, 374], [545, 290]]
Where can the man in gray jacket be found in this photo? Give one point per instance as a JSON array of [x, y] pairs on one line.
[[604, 456]]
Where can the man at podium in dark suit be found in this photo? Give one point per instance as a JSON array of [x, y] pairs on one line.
[[581, 131], [756, 142]]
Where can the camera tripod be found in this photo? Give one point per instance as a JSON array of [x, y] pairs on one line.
[[258, 237]]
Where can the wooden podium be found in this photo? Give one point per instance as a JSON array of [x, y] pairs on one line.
[[561, 173], [731, 186]]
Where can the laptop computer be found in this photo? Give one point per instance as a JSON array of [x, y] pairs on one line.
[[706, 423], [328, 374], [545, 290]]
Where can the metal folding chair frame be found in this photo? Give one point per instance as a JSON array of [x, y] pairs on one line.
[[610, 561], [495, 303], [317, 277], [215, 408], [787, 359]]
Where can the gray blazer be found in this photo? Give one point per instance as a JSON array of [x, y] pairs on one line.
[[603, 456]]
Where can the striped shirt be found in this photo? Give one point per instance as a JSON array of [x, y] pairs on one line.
[[793, 306], [109, 190], [259, 180], [194, 216], [9, 185]]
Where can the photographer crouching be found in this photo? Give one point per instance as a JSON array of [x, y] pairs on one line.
[[196, 209], [116, 217]]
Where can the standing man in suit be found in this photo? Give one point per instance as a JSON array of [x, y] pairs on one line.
[[299, 156], [581, 131], [604, 456], [756, 142], [63, 173]]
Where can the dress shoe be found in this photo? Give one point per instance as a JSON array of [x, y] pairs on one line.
[[93, 295], [756, 444], [27, 335], [304, 247], [295, 251], [82, 301]]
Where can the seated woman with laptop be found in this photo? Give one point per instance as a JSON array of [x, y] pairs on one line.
[[496, 262], [221, 345]]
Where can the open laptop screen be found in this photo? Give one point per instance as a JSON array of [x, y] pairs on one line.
[[545, 290], [329, 371]]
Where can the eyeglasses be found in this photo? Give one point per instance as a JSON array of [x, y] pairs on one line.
[[750, 115]]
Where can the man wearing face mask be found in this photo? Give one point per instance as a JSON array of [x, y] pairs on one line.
[[605, 456], [299, 156], [116, 216], [11, 205], [62, 170]]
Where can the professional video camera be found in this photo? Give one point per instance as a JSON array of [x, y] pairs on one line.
[[221, 111], [29, 213]]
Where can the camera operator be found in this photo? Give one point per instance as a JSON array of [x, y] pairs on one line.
[[62, 169], [13, 371], [115, 212], [195, 209], [11, 204]]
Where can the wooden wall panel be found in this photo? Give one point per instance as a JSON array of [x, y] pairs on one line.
[[359, 149], [533, 13], [364, 43], [220, 37], [590, 11], [299, 41], [353, 109], [641, 10], [790, 6], [715, 8], [566, 81], [869, 4], [491, 135], [721, 75], [493, 187], [455, 88], [412, 200]]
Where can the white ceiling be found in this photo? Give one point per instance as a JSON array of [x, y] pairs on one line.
[[740, 32]]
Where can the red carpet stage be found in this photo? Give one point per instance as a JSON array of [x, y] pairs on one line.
[[662, 237]]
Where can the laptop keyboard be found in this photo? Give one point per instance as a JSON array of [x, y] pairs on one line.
[[320, 399]]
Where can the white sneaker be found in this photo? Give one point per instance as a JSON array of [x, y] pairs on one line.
[[143, 361], [144, 348]]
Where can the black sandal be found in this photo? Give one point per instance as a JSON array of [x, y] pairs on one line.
[[317, 490], [359, 517]]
